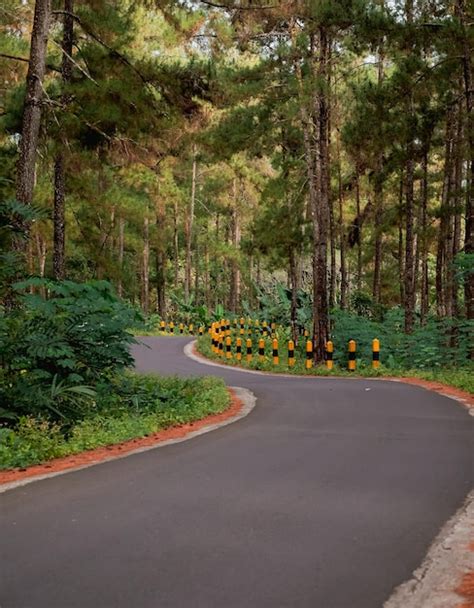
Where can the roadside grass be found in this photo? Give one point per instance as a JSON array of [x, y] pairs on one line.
[[126, 407], [461, 378]]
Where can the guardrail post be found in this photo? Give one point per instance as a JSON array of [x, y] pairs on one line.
[[375, 353], [291, 353], [276, 358], [249, 350], [329, 354], [351, 364], [309, 354], [238, 354]]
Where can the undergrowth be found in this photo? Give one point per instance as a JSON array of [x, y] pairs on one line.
[[125, 407]]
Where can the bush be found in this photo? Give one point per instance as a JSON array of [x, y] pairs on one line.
[[127, 407], [54, 349]]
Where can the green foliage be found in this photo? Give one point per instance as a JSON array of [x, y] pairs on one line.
[[127, 406], [52, 348]]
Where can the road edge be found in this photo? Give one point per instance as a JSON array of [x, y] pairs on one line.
[[449, 557], [246, 397], [190, 351]]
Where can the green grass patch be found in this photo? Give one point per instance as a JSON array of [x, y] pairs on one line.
[[126, 407], [458, 377]]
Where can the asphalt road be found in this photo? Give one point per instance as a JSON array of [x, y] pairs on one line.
[[326, 496]]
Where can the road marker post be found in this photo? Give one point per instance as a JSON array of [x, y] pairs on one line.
[[162, 326], [171, 327], [249, 350], [201, 330], [329, 354], [291, 353], [191, 329], [238, 354], [309, 354], [242, 323], [264, 329], [228, 345], [351, 364], [276, 358], [181, 328], [261, 350], [227, 328], [375, 353], [221, 345]]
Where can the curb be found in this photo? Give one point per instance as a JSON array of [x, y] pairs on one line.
[[434, 582], [466, 402], [246, 397]]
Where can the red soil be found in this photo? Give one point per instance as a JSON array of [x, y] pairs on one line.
[[113, 451]]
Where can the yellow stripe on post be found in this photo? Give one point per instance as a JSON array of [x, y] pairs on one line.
[[329, 354], [309, 355], [351, 364], [375, 353]]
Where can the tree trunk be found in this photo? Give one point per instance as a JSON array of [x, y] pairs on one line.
[[359, 241], [160, 257], [120, 255], [146, 267], [32, 111], [235, 268], [59, 237], [342, 233], [467, 52], [424, 237], [189, 230], [294, 294]]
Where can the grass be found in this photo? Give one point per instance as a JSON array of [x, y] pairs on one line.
[[133, 406], [462, 378]]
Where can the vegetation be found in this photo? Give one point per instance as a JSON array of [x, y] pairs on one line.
[[127, 407]]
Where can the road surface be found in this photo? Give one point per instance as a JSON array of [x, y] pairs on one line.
[[327, 495]]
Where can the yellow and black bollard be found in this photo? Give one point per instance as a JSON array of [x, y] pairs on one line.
[[162, 326], [181, 328], [213, 342], [249, 350], [329, 354], [201, 330], [238, 352], [351, 364], [264, 329], [375, 353], [191, 329], [276, 358], [220, 349], [261, 349], [291, 353], [309, 355], [242, 324], [227, 328], [228, 347], [273, 328], [171, 327]]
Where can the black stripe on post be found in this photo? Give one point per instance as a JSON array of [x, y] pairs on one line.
[[291, 354], [375, 355], [329, 356], [249, 350], [352, 356], [261, 351], [239, 349], [275, 352]]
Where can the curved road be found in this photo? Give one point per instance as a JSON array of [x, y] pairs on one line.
[[326, 496]]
